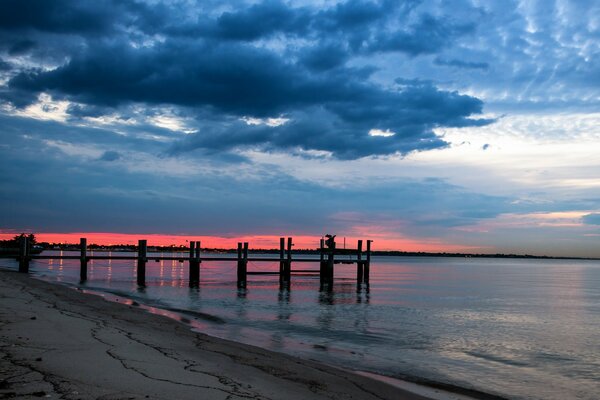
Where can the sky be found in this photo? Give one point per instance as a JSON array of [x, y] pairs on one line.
[[424, 125]]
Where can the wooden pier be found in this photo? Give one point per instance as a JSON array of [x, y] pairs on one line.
[[327, 260]]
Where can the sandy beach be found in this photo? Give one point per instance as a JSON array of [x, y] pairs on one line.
[[60, 343]]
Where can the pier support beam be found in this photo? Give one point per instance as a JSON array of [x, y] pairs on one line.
[[198, 261], [288, 262], [24, 254], [367, 264], [281, 260], [242, 265], [194, 274], [322, 262], [359, 263], [83, 260], [141, 262], [330, 260]]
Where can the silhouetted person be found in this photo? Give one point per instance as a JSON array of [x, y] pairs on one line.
[[330, 242]]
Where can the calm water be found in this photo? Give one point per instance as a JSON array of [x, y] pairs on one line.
[[523, 329]]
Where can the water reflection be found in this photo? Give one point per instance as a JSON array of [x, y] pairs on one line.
[[242, 293], [363, 293], [493, 324]]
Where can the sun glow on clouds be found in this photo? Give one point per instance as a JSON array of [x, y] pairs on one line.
[[549, 152], [379, 132], [562, 219], [272, 122], [172, 123], [380, 240], [515, 156], [45, 109]]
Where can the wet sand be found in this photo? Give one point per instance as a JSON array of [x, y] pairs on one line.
[[58, 342]]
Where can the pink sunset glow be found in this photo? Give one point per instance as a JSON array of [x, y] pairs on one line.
[[255, 241]]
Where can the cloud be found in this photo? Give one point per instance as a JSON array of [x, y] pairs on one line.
[[425, 36], [75, 17], [67, 188], [5, 66], [591, 219], [274, 16], [308, 110], [110, 155], [233, 80], [461, 64]]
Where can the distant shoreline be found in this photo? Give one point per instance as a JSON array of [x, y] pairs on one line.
[[385, 253]]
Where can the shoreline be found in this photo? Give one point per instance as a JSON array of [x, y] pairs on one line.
[[271, 374], [430, 389]]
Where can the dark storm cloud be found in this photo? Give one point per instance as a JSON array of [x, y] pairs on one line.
[[213, 64], [324, 57], [77, 17], [4, 66], [274, 17]]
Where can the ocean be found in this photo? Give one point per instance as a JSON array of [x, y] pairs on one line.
[[516, 328]]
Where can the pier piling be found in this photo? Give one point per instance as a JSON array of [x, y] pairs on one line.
[[83, 259], [330, 259], [242, 265], [141, 262], [24, 254], [322, 262], [281, 259], [367, 264], [359, 263], [194, 273], [288, 261]]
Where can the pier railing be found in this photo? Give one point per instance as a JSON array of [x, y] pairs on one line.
[[327, 253]]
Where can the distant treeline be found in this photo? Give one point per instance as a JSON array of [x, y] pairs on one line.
[[15, 242], [183, 248]]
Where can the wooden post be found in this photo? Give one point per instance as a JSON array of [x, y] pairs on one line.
[[281, 259], [359, 263], [242, 264], [191, 257], [141, 267], [288, 263], [330, 263], [322, 262], [368, 262], [239, 263], [194, 273], [83, 259], [245, 262], [23, 255], [198, 261]]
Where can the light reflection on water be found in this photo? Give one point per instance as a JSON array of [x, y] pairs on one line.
[[517, 328]]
